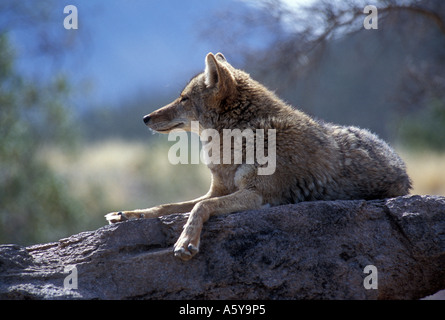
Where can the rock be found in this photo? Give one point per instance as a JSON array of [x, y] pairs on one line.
[[310, 250]]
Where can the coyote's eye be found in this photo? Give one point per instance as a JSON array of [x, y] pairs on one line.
[[183, 99]]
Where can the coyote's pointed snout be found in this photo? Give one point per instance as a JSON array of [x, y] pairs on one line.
[[165, 119], [147, 119]]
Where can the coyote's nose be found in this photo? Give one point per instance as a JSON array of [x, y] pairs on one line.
[[146, 118]]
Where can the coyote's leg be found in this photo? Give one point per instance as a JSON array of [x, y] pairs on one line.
[[154, 212], [216, 189], [188, 243]]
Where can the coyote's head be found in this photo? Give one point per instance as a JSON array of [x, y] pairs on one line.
[[201, 100]]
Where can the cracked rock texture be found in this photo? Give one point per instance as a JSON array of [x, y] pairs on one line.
[[310, 250]]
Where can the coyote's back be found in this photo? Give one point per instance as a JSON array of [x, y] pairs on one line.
[[322, 161]]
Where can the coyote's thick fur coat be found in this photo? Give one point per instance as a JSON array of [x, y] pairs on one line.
[[314, 160]]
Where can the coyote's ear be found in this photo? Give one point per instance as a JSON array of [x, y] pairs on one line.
[[220, 57], [217, 75], [211, 71]]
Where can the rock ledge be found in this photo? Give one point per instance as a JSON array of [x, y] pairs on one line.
[[311, 250]]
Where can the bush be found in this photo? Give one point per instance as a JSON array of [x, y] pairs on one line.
[[425, 129], [35, 205]]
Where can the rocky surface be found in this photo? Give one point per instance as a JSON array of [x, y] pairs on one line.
[[311, 250]]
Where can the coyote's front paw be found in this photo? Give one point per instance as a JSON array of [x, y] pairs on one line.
[[185, 248], [120, 216], [114, 217]]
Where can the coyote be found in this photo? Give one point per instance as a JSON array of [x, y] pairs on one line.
[[314, 160]]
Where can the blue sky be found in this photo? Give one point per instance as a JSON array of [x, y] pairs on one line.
[[126, 47], [145, 44], [131, 46]]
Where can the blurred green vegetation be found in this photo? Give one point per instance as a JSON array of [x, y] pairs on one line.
[[35, 204], [54, 183], [425, 129]]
